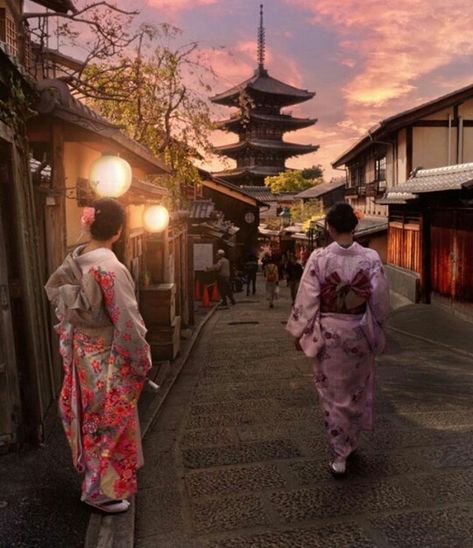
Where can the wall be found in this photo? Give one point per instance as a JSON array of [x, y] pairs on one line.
[[430, 146]]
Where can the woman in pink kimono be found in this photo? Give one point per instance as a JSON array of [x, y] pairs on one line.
[[338, 320], [105, 358]]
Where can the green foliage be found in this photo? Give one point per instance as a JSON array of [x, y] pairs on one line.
[[159, 97], [288, 181], [314, 172], [311, 210]]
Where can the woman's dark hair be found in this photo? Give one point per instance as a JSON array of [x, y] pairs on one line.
[[342, 218], [109, 218]]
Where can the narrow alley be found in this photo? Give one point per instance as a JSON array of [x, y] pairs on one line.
[[238, 457]]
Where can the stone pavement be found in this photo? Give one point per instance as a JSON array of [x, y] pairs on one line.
[[237, 458]]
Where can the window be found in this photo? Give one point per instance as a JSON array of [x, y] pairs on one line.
[[357, 175], [380, 169], [8, 31]]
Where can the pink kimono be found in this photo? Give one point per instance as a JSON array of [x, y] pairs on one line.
[[105, 358], [338, 317]]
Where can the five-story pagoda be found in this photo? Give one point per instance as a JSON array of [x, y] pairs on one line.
[[260, 151]]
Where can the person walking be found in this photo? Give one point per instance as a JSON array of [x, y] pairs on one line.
[[223, 269], [294, 272], [105, 359], [272, 280], [338, 320], [251, 271]]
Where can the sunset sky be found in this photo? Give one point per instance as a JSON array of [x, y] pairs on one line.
[[366, 59]]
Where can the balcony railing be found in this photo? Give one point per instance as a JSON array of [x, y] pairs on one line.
[[375, 189]]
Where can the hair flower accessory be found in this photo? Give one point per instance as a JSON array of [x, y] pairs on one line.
[[88, 216]]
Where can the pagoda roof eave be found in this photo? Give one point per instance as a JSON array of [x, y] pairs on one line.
[[282, 120], [258, 171], [260, 144], [263, 83]]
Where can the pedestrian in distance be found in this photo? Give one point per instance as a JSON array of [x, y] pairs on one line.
[[223, 269], [338, 320], [105, 358], [294, 272], [251, 271], [272, 280]]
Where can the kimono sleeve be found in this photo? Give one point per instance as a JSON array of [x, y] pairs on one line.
[[379, 299], [130, 351], [304, 322]]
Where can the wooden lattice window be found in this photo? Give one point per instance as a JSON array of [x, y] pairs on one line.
[[8, 33]]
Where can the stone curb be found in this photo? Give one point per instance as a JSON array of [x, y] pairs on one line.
[[430, 341], [106, 531]]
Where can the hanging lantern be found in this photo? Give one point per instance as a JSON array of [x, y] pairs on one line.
[[156, 218], [110, 176]]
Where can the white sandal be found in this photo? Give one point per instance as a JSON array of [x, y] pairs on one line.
[[110, 507], [338, 467]]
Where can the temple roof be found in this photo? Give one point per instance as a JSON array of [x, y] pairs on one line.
[[258, 171], [263, 83], [266, 144], [279, 119]]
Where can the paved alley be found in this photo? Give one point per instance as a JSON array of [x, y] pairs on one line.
[[238, 458]]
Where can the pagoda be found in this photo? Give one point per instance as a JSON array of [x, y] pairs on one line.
[[261, 151]]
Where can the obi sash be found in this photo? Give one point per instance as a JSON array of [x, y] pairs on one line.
[[341, 297]]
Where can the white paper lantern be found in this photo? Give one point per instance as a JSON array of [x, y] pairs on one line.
[[110, 176], [156, 218]]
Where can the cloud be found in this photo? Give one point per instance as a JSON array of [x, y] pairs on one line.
[[398, 40], [179, 5]]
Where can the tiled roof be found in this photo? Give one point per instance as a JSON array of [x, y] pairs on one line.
[[262, 193], [319, 190], [56, 99], [202, 209], [262, 82], [423, 181], [438, 179], [267, 144]]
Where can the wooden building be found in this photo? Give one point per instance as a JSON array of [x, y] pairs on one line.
[[260, 125], [435, 134], [238, 207], [328, 193], [26, 372], [430, 240]]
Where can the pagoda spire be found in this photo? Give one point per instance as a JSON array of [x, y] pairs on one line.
[[261, 40]]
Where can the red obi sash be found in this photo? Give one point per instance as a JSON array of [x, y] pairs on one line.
[[341, 297]]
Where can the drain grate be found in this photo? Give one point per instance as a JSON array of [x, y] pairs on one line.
[[243, 323]]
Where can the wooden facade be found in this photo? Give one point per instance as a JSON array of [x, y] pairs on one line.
[[433, 237]]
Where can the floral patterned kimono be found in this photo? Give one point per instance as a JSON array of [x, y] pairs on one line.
[[105, 358], [338, 318]]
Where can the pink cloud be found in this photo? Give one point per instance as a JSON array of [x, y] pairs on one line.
[[399, 41], [179, 5]]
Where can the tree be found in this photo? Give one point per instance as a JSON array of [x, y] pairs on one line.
[[314, 172], [288, 181], [165, 107], [100, 30], [311, 210]]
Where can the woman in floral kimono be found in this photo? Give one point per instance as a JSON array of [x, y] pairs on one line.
[[105, 358], [338, 320]]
